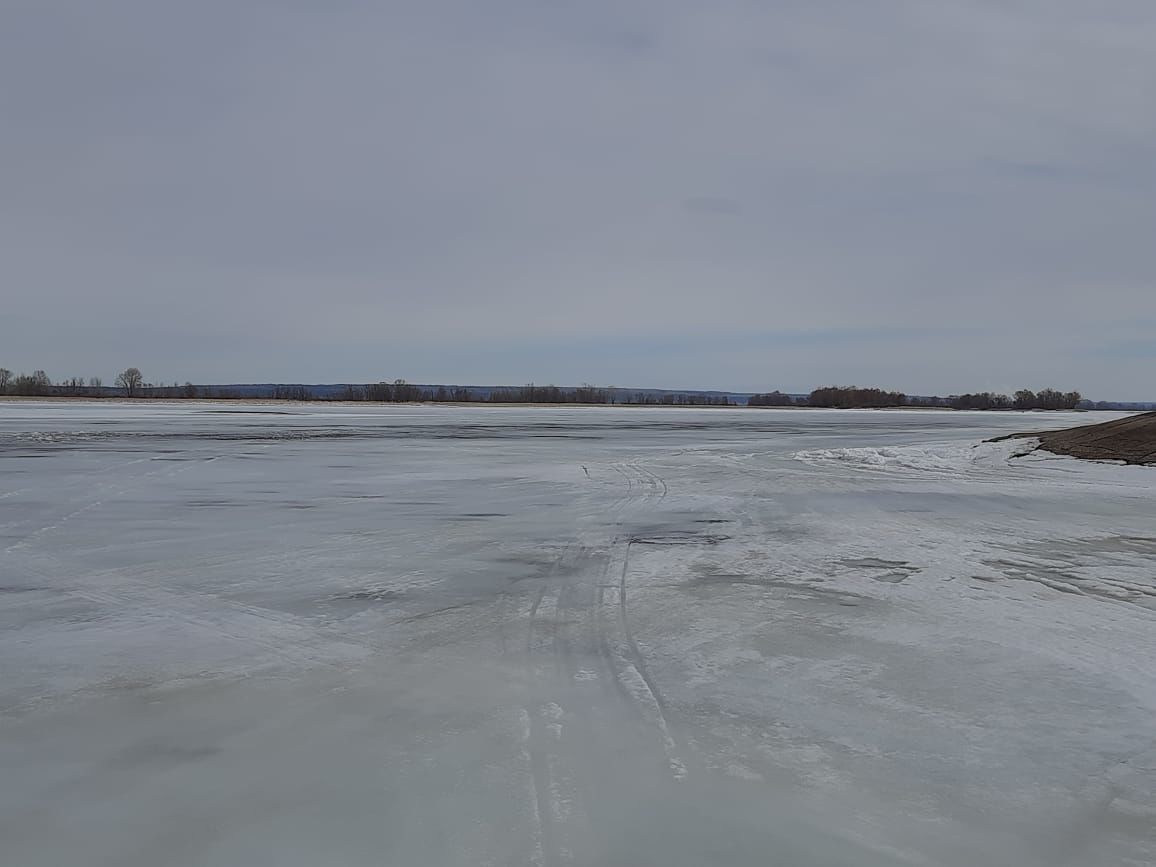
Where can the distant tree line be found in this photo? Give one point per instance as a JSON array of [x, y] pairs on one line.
[[290, 392], [982, 400], [833, 396], [128, 383], [532, 393], [131, 383], [26, 385], [851, 397], [854, 398], [642, 398], [1024, 399], [398, 391], [401, 392], [772, 398], [1049, 398]]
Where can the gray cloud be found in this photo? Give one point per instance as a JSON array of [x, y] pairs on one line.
[[515, 190]]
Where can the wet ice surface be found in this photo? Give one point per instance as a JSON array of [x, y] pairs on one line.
[[439, 636]]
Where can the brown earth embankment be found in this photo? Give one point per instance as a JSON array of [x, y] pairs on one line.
[[1131, 440]]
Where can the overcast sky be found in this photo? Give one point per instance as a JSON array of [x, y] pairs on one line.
[[929, 195]]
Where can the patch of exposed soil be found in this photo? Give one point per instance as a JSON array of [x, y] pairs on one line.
[[1131, 440]]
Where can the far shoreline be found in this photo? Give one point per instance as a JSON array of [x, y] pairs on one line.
[[123, 401]]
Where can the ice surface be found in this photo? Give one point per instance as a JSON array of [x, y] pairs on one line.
[[282, 635]]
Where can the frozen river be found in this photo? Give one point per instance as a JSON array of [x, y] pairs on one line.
[[432, 636]]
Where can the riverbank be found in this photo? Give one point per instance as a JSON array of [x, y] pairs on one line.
[[1130, 440]]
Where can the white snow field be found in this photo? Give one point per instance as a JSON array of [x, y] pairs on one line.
[[432, 636]]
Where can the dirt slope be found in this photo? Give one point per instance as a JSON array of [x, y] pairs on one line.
[[1131, 440]]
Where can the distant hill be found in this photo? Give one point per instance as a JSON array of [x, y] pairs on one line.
[[1127, 406]]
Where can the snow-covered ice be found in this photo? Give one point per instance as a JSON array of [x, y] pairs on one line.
[[298, 635]]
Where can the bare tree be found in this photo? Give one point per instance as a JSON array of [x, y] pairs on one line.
[[36, 385], [1025, 399], [73, 387], [5, 379], [130, 380], [95, 383]]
